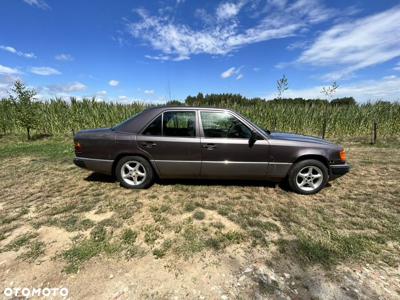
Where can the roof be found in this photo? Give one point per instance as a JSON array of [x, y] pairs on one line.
[[136, 123], [181, 107]]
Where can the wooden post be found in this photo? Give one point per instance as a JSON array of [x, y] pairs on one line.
[[323, 128], [374, 132]]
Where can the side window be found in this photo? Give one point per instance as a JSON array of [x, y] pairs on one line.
[[154, 128], [223, 125], [179, 123]]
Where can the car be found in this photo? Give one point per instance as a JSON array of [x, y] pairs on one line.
[[206, 143]]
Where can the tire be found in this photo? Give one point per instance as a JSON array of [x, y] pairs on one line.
[[308, 177], [134, 172]]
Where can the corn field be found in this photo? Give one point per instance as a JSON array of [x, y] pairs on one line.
[[58, 117]]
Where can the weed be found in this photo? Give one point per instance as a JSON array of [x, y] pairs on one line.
[[36, 248], [163, 249], [129, 236], [199, 215]]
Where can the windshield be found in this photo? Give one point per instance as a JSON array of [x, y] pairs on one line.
[[255, 125]]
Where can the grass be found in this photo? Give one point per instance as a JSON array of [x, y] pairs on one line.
[[354, 220], [36, 249], [60, 148], [329, 248], [129, 236], [199, 215], [20, 241]]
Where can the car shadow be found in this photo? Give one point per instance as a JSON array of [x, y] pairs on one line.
[[223, 182], [97, 177]]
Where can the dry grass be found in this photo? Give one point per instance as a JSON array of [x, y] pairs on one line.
[[354, 220]]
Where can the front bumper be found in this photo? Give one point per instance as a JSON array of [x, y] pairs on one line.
[[338, 170]]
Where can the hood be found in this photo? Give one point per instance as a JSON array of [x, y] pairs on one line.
[[298, 138]]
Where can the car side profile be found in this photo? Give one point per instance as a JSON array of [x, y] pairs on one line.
[[206, 143]]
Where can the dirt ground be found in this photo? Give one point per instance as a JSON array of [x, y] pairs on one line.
[[65, 227]]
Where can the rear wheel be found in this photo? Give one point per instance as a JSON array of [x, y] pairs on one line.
[[134, 172], [308, 177]]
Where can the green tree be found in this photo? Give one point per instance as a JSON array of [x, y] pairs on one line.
[[329, 91], [24, 106], [282, 85]]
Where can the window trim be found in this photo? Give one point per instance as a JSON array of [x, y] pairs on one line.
[[224, 112]]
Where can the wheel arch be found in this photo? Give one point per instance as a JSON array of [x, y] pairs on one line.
[[123, 154], [318, 157]]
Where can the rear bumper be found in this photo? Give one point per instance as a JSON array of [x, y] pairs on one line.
[[103, 166], [338, 170]]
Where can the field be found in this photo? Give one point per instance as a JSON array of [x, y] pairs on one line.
[[313, 117], [62, 226]]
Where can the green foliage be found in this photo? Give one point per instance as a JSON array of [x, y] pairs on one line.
[[26, 109], [343, 117], [282, 85], [199, 215], [129, 236]]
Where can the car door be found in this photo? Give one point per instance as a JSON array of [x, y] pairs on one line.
[[173, 144], [226, 151]]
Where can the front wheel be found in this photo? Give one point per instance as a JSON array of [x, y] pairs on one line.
[[134, 172], [308, 177]]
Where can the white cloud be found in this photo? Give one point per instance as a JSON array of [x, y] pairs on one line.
[[8, 71], [149, 92], [227, 10], [44, 71], [101, 93], [231, 72], [386, 88], [357, 44], [167, 57], [297, 45], [38, 3], [123, 98], [67, 88], [228, 73], [113, 82], [397, 67], [6, 84], [19, 53], [64, 57], [180, 41]]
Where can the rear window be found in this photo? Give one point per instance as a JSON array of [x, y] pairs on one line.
[[179, 123]]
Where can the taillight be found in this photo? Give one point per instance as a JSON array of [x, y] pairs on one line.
[[342, 155], [78, 147]]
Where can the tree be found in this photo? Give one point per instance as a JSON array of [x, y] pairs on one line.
[[344, 101], [329, 91], [282, 85], [24, 106]]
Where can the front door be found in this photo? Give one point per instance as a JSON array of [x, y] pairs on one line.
[[173, 144], [226, 151]]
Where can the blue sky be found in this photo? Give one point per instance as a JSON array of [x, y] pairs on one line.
[[161, 50]]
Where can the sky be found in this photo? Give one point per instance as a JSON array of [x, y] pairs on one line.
[[164, 50]]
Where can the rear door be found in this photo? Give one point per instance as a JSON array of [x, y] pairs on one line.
[[173, 143], [226, 151]]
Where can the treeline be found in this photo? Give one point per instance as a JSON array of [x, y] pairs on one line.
[[217, 99]]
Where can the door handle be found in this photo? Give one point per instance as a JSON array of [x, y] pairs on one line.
[[209, 146], [149, 144]]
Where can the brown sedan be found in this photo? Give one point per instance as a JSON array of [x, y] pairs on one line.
[[197, 142]]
